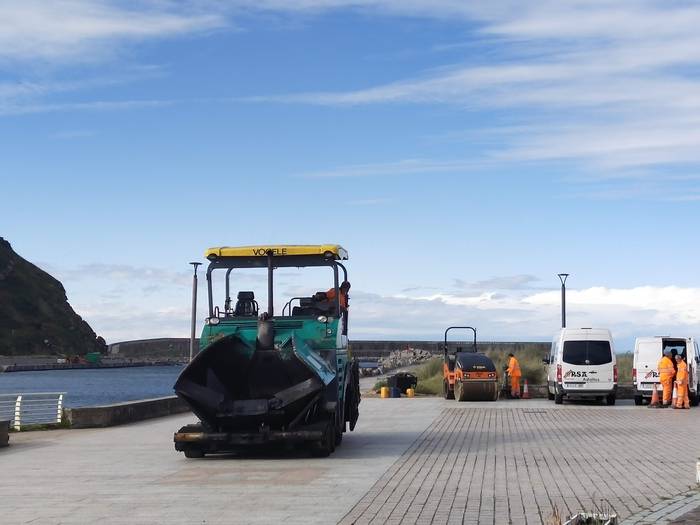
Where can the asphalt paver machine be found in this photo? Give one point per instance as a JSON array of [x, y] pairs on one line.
[[262, 378], [468, 375]]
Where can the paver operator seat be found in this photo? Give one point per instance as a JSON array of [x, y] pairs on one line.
[[246, 305]]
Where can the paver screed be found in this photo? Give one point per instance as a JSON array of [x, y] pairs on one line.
[[515, 465]]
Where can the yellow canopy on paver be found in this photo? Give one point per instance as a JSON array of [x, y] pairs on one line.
[[330, 251]]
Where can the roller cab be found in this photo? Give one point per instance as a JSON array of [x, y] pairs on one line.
[[262, 378]]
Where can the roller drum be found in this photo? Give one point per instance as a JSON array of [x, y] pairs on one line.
[[476, 391]]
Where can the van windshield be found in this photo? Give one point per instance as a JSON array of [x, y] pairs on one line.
[[587, 352]]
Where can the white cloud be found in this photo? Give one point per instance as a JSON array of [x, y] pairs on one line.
[[507, 282], [96, 105], [69, 30], [401, 167], [525, 316], [123, 303], [665, 306], [608, 85], [115, 273]]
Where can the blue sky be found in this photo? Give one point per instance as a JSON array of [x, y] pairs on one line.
[[464, 154]]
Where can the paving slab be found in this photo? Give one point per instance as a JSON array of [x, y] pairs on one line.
[[516, 462], [132, 474], [421, 460]]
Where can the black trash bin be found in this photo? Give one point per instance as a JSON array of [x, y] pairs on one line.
[[4, 433], [403, 381]]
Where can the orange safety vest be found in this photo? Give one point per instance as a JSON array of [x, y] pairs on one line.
[[330, 295], [513, 367], [682, 374], [666, 369]]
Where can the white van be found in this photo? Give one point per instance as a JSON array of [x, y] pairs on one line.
[[647, 354], [582, 365]]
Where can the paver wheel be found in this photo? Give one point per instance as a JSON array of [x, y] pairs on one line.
[[324, 446], [194, 453], [338, 437]]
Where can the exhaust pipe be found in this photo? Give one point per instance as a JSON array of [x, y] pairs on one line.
[[266, 333]]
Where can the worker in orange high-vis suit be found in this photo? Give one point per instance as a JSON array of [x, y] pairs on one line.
[[515, 374], [344, 289], [682, 400], [666, 372]]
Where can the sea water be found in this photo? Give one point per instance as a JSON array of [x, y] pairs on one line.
[[93, 387]]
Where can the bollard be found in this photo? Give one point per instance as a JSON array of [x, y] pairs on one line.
[[384, 392], [18, 414], [410, 392]]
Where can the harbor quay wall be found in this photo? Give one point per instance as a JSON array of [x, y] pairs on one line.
[[364, 348], [127, 412], [178, 348]]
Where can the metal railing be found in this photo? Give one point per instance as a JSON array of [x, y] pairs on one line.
[[36, 408]]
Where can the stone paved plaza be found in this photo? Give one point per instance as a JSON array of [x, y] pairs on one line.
[[422, 460], [516, 465]]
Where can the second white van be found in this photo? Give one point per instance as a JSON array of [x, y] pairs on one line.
[[648, 352], [582, 365]]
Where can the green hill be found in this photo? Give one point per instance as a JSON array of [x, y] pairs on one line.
[[35, 317]]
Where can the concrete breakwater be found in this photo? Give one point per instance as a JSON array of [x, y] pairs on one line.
[[80, 366], [363, 349], [179, 347]]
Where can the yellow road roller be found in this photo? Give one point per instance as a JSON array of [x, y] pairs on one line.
[[468, 375]]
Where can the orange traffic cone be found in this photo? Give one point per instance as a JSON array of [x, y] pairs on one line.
[[674, 398], [526, 392], [654, 398]]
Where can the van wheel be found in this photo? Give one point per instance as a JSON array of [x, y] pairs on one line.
[[550, 396], [638, 400], [558, 399], [611, 399], [695, 398]]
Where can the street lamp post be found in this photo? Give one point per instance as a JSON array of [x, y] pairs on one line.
[[562, 278], [194, 308]]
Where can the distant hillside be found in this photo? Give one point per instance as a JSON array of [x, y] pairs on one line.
[[35, 317]]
